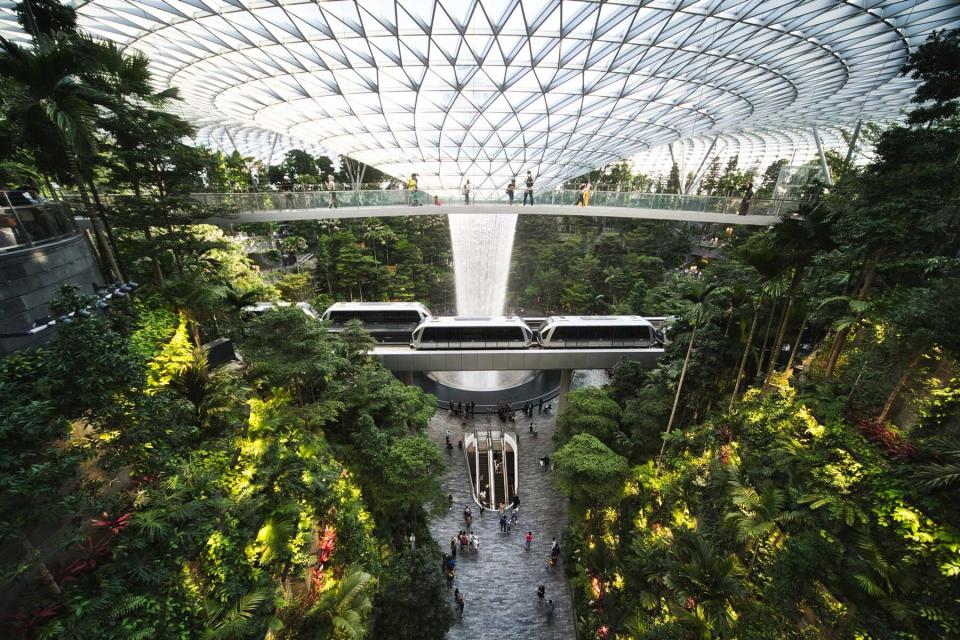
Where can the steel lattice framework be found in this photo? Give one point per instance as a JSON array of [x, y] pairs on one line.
[[487, 89]]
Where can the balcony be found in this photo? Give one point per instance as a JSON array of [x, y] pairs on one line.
[[30, 225]]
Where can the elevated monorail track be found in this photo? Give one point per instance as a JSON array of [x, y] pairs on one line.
[[403, 358]]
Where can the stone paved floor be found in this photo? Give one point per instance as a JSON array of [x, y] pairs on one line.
[[499, 582]]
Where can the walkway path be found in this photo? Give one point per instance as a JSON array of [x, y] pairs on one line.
[[500, 581]]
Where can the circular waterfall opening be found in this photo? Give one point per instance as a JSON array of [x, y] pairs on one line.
[[482, 380]]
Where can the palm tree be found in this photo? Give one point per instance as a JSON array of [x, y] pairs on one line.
[[761, 255], [46, 94], [237, 300], [126, 78], [888, 582], [759, 516], [697, 293], [798, 239], [709, 584], [343, 609], [211, 392], [945, 470], [197, 294], [236, 621]]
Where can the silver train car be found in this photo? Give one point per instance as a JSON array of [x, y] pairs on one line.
[[260, 308], [597, 332], [387, 322], [472, 333]]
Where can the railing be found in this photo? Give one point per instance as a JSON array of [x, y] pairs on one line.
[[299, 200], [285, 200], [31, 225]]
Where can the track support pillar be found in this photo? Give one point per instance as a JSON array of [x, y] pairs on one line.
[[566, 377]]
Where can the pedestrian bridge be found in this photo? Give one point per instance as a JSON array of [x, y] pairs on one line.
[[317, 205]]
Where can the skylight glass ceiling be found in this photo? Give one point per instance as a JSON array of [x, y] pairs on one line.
[[487, 89], [753, 148]]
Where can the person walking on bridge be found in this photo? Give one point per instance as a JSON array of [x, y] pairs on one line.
[[528, 190], [332, 189], [511, 187]]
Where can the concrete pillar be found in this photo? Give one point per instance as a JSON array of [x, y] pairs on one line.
[[566, 377]]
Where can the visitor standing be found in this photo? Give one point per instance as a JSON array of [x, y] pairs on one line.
[[541, 590], [540, 407], [511, 187], [527, 539], [580, 189], [458, 598], [547, 611], [747, 197], [466, 193], [414, 197], [413, 542], [503, 523], [528, 191], [453, 546], [332, 189]]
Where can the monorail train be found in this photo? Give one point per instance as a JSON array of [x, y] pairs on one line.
[[597, 332], [386, 321], [260, 308], [472, 333]]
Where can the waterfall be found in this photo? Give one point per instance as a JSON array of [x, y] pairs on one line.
[[482, 247]]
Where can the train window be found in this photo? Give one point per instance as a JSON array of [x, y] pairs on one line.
[[504, 334], [376, 317], [636, 333], [472, 334]]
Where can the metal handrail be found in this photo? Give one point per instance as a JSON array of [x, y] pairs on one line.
[[294, 200], [27, 226]]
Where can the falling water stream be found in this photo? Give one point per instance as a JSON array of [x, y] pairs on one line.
[[482, 247]]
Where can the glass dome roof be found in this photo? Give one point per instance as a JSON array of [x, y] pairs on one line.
[[488, 89]]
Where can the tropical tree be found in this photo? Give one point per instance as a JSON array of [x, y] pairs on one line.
[[590, 473], [236, 620], [343, 610], [47, 93], [759, 515], [706, 584], [212, 392], [697, 292], [411, 582]]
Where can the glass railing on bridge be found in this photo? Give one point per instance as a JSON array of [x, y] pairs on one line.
[[302, 200], [27, 225], [318, 200]]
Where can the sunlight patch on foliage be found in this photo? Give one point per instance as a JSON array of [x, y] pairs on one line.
[[173, 358]]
